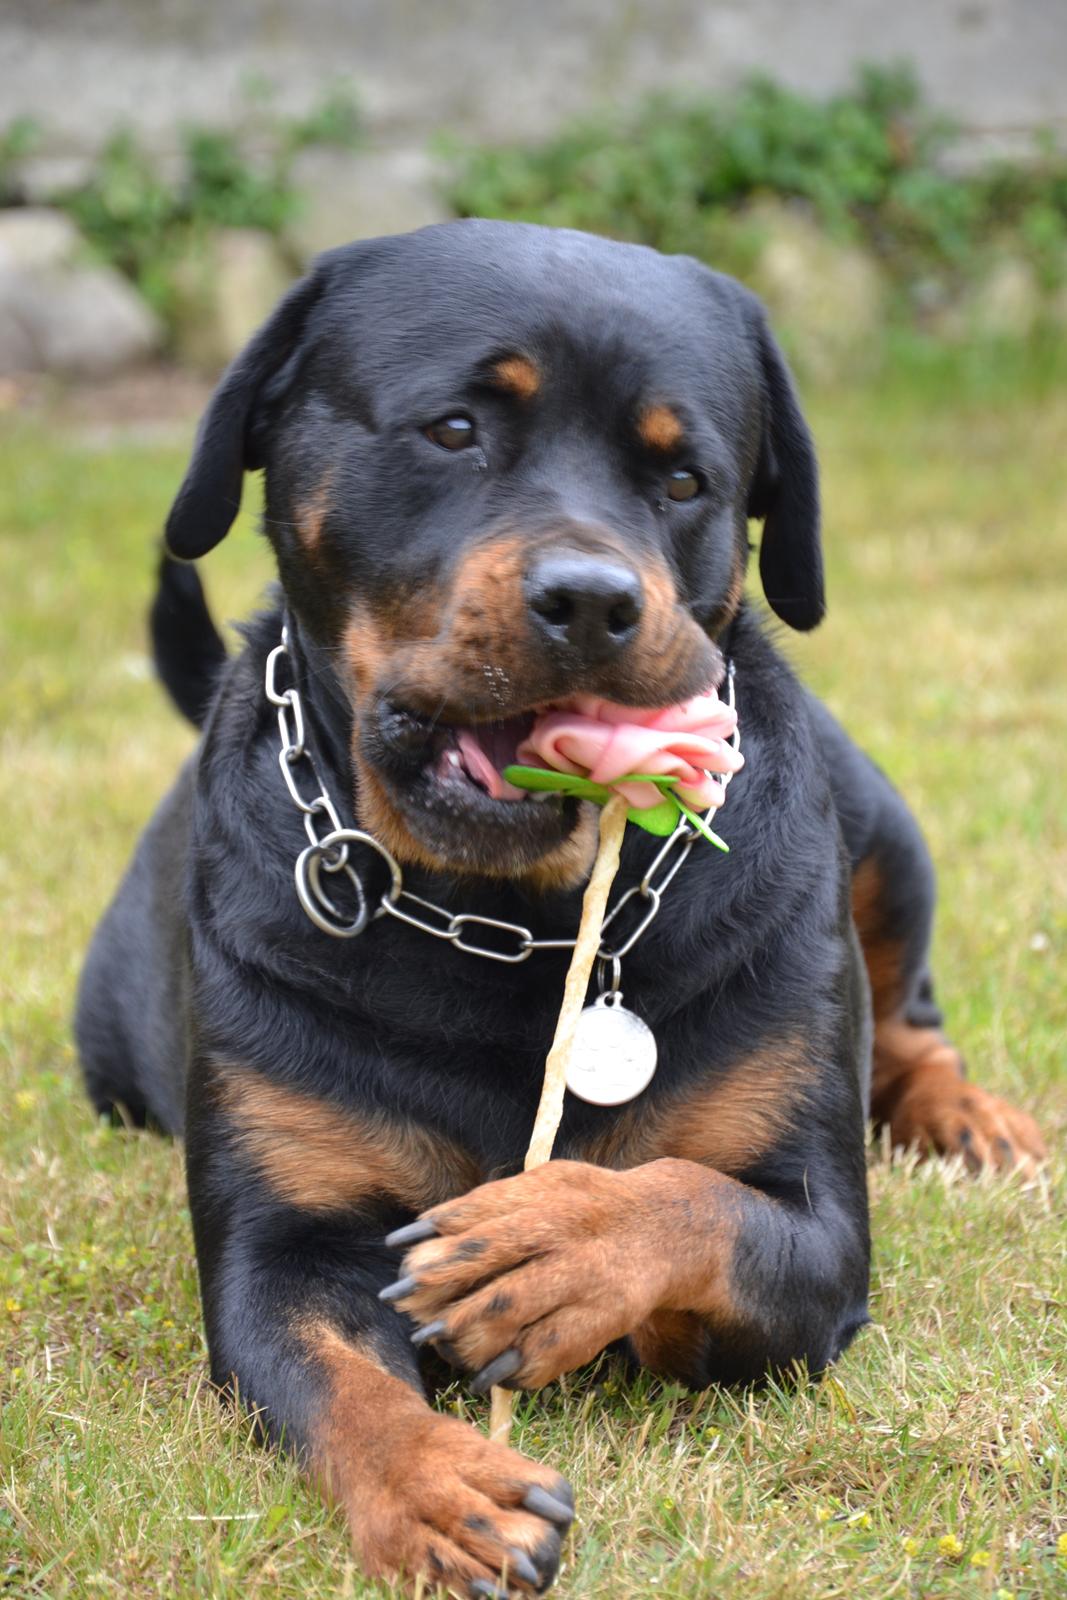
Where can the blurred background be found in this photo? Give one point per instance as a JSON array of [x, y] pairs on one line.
[[892, 179], [879, 174]]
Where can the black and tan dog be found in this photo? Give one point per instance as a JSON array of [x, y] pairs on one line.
[[505, 464]]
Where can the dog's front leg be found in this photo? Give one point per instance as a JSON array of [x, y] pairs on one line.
[[529, 1277], [296, 1330]]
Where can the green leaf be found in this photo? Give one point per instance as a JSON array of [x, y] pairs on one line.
[[702, 827], [544, 781], [661, 819]]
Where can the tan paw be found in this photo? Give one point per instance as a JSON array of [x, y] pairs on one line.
[[941, 1112], [441, 1503], [527, 1278]]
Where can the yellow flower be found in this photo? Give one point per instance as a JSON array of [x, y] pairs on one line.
[[981, 1559], [861, 1519], [912, 1547], [12, 1306], [823, 1513], [950, 1547], [1004, 1594], [25, 1099], [1061, 1546]]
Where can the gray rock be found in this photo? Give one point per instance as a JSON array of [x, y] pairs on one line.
[[224, 288], [828, 297], [60, 311], [359, 194], [41, 178], [32, 237]]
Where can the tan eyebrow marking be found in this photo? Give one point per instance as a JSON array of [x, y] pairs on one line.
[[660, 428], [518, 375]]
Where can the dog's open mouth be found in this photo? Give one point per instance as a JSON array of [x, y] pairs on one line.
[[448, 781], [482, 753]]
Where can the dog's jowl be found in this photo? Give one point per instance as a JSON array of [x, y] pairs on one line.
[[503, 466]]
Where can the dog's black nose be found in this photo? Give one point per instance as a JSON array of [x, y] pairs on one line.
[[585, 604]]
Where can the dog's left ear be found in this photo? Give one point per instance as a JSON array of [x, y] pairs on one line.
[[785, 493], [226, 444]]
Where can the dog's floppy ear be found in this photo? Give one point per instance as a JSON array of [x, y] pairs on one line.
[[225, 448], [785, 493]]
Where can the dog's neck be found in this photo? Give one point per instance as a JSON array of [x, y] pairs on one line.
[[327, 709]]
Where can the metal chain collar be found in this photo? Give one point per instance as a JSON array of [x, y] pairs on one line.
[[330, 852]]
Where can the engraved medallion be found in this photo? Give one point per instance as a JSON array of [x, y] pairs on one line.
[[613, 1056]]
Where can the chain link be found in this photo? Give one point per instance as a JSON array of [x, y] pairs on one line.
[[330, 851]]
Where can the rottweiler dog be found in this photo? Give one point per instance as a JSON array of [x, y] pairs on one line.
[[505, 464]]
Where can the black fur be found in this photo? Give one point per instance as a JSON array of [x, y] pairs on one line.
[[206, 957], [188, 649]]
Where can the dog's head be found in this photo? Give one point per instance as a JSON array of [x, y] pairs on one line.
[[504, 465]]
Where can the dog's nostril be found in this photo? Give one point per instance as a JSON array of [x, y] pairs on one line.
[[623, 617], [585, 604], [556, 609]]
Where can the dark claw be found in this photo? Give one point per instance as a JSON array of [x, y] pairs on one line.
[[503, 1366], [546, 1556], [522, 1567], [565, 1493], [432, 1330], [543, 1504], [398, 1290], [482, 1587], [411, 1233]]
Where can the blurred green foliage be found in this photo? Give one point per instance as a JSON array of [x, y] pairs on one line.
[[143, 221], [875, 165], [17, 141], [142, 215]]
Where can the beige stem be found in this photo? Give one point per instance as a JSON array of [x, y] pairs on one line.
[[550, 1109]]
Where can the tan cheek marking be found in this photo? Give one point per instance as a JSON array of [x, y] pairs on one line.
[[311, 514], [659, 428], [321, 1157], [365, 652], [482, 636], [519, 376]]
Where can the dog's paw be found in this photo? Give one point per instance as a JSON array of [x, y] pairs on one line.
[[463, 1514], [529, 1277], [941, 1112]]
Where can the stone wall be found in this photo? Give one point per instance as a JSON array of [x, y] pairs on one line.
[[506, 69]]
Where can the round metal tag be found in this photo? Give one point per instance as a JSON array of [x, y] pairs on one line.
[[614, 1054]]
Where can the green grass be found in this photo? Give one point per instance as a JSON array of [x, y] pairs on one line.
[[933, 1462]]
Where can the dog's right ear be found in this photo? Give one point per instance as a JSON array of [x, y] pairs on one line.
[[225, 449]]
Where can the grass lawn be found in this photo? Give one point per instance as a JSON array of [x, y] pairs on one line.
[[933, 1461]]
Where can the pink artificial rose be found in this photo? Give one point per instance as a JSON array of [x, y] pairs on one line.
[[604, 742]]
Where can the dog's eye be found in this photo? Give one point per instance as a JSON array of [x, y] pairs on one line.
[[683, 485], [452, 433]]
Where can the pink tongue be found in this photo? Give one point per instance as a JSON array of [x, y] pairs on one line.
[[482, 770]]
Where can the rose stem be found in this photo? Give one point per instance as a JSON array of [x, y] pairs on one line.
[[575, 989]]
